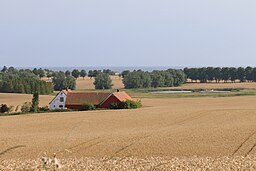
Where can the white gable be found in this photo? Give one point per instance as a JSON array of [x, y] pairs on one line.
[[59, 101]]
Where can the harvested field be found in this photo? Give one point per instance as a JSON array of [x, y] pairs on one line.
[[87, 83], [184, 127], [132, 163], [19, 99]]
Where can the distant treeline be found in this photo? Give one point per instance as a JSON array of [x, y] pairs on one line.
[[22, 81], [30, 81], [218, 74], [142, 79]]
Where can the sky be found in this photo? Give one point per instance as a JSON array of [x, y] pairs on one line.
[[65, 33]]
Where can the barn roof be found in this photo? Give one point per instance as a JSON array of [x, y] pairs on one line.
[[122, 96], [80, 98]]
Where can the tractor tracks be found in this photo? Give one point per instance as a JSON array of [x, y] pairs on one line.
[[243, 144]]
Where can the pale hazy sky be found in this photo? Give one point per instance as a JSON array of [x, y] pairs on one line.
[[127, 32]]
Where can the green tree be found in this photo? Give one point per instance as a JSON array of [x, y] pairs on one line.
[[225, 74], [49, 74], [35, 103], [83, 73], [233, 74], [124, 73], [75, 73], [68, 73], [35, 71], [40, 73], [210, 73], [157, 79], [4, 69], [108, 71], [217, 74], [103, 81], [137, 79], [59, 81], [70, 82], [241, 74], [249, 74]]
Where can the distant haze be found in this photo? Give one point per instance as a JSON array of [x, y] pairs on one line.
[[110, 33]]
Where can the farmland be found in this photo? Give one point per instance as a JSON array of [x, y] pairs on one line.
[[184, 127], [87, 83]]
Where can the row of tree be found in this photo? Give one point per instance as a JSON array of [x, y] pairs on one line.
[[142, 79], [218, 74], [22, 81]]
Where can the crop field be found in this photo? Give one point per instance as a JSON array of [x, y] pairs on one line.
[[206, 127], [17, 100], [87, 83]]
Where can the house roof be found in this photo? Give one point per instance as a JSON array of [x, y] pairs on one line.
[[64, 91], [80, 98]]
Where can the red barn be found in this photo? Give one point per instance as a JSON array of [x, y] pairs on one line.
[[75, 100]]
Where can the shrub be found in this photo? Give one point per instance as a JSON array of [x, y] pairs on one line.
[[88, 106], [114, 105], [4, 108], [11, 108], [130, 104], [44, 109], [26, 107]]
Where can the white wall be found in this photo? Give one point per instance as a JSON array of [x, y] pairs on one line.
[[56, 104]]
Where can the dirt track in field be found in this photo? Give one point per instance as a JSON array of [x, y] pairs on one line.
[[164, 127]]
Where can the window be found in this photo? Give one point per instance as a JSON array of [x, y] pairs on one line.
[[60, 106], [62, 99]]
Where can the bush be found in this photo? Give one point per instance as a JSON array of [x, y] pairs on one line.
[[88, 106], [114, 105], [4, 108], [44, 109], [26, 107], [129, 104]]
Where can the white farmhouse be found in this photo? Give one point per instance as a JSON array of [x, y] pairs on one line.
[[59, 101]]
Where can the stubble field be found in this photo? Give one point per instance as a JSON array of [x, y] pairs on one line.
[[165, 128]]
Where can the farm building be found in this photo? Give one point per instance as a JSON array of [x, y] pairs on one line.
[[75, 100]]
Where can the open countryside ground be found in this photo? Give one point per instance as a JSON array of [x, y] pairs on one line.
[[147, 138], [164, 127], [19, 99], [87, 83]]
